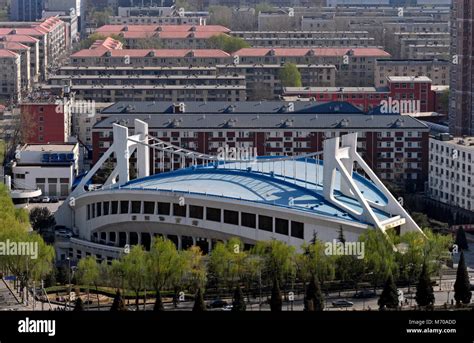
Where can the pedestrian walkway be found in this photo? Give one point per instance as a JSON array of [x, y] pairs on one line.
[[10, 300]]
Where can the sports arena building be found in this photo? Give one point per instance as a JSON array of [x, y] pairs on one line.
[[216, 197]]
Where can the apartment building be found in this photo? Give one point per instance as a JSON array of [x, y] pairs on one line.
[[10, 76], [305, 38], [461, 110], [149, 57], [355, 66], [451, 170], [264, 83], [399, 43], [45, 120], [52, 35], [24, 52], [170, 36], [404, 94], [435, 69], [395, 146], [33, 44], [116, 74]]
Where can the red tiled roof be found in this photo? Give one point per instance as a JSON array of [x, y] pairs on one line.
[[18, 38], [358, 52], [164, 31], [28, 31], [4, 53], [13, 46], [108, 43], [176, 53]]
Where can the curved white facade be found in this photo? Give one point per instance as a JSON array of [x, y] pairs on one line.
[[289, 199]]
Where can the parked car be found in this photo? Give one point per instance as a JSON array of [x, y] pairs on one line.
[[45, 199], [227, 308], [35, 200], [218, 303], [54, 199], [342, 303], [364, 294]]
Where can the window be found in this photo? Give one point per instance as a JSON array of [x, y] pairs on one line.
[[248, 220], [114, 207], [136, 206], [196, 212], [281, 226], [213, 214], [164, 208], [231, 217], [179, 211], [106, 208], [149, 207], [297, 230], [88, 212], [124, 207], [265, 223], [99, 209]]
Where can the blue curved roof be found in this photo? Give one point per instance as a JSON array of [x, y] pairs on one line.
[[252, 181]]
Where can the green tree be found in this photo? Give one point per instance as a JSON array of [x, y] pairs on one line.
[[164, 264], [424, 289], [238, 303], [462, 286], [100, 18], [315, 262], [389, 296], [227, 43], [276, 300], [314, 300], [88, 274], [227, 263], [118, 304], [41, 219], [290, 76], [135, 271], [199, 305], [461, 239], [220, 15], [379, 255], [195, 268], [278, 259], [410, 256]]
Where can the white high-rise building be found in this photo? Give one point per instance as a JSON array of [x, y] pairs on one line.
[[451, 171]]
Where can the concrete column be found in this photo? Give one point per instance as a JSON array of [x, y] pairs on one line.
[[127, 239], [107, 237], [194, 240], [180, 243], [143, 154], [209, 244], [116, 238], [139, 234]]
